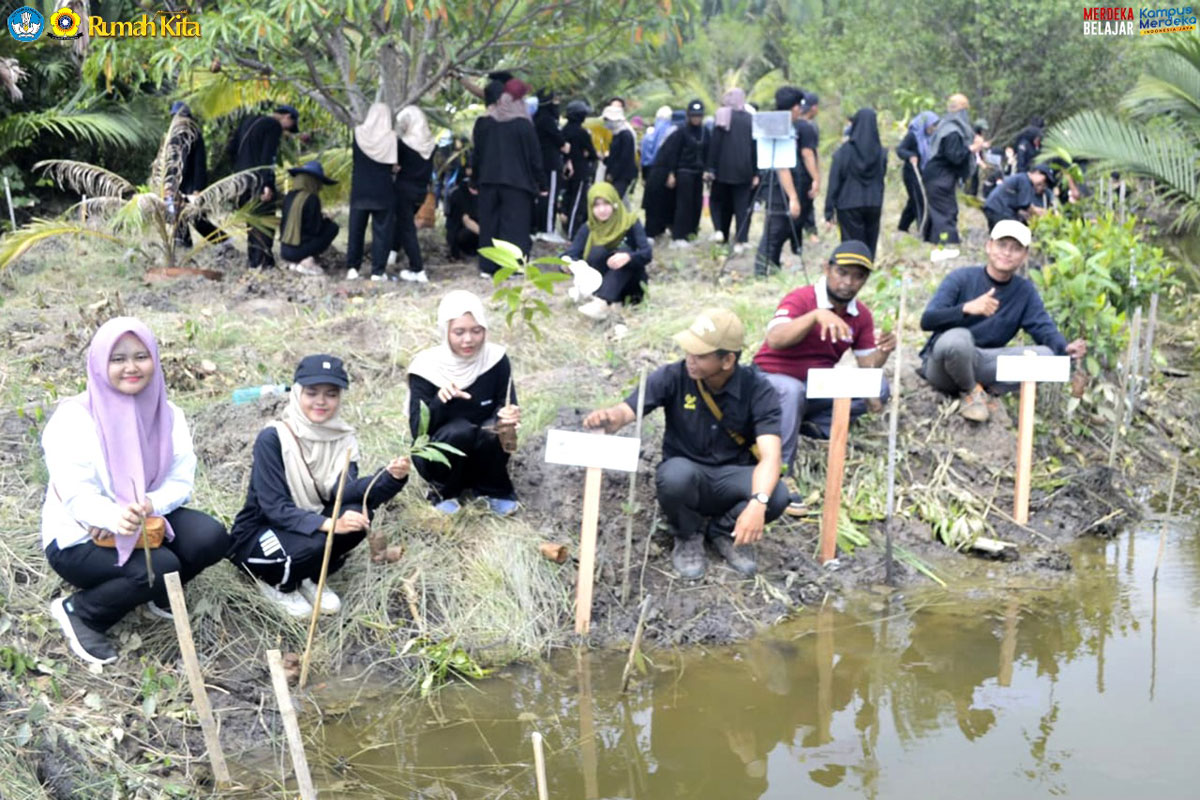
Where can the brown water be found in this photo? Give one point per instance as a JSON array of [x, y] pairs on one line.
[[1083, 688]]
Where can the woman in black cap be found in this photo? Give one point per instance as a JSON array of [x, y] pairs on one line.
[[279, 535], [305, 233]]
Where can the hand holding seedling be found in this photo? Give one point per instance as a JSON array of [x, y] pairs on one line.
[[886, 342], [1077, 349], [349, 522], [448, 393], [132, 516], [612, 419], [833, 328], [398, 468], [983, 306], [509, 415]]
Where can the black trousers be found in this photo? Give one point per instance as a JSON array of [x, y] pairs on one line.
[[544, 205], [483, 470], [183, 233], [689, 202], [940, 188], [860, 224], [574, 203], [658, 202], [913, 209], [504, 213], [285, 558], [383, 221], [462, 242], [622, 186], [778, 227], [260, 243], [313, 246], [409, 197], [698, 496], [619, 285], [808, 214], [108, 592], [730, 201]]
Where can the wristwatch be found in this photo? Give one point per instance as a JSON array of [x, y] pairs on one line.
[[761, 497]]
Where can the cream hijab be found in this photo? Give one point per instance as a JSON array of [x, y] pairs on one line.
[[313, 454], [439, 365], [412, 126], [375, 136]]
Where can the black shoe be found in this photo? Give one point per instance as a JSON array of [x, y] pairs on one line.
[[740, 558], [90, 645], [688, 557]]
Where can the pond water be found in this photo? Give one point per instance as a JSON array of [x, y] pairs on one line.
[[1080, 687]]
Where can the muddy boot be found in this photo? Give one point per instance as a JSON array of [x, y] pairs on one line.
[[688, 557], [740, 558], [974, 405]]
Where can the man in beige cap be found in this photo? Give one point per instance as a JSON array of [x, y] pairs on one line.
[[719, 477], [976, 312]]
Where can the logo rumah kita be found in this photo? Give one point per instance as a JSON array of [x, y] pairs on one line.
[[26, 24]]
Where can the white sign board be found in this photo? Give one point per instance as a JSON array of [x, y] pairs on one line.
[[1033, 367], [576, 449], [844, 382], [776, 153]]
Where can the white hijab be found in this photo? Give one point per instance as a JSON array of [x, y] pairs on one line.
[[439, 365], [413, 128], [313, 453], [375, 136]]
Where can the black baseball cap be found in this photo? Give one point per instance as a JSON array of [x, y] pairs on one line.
[[321, 368], [695, 108], [285, 109], [810, 100], [852, 253], [1046, 170]]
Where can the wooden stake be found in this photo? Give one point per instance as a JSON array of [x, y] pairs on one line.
[[587, 550], [835, 469], [539, 765], [893, 424], [1162, 530], [1024, 452], [12, 216], [312, 625], [291, 728], [191, 665], [1008, 643], [637, 643], [632, 500]]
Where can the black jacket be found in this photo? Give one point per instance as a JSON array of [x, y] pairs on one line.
[[583, 152], [193, 176], [849, 189], [413, 168], [487, 398], [685, 149], [507, 154], [310, 219], [621, 163], [370, 182], [550, 138], [732, 157], [256, 144], [635, 243]]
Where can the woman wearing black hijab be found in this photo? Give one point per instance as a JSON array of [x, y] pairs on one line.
[[855, 190]]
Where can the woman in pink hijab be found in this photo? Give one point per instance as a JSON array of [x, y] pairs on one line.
[[119, 454]]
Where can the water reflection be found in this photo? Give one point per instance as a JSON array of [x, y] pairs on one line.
[[1033, 691]]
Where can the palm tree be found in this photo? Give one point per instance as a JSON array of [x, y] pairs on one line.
[[1158, 135], [126, 209]]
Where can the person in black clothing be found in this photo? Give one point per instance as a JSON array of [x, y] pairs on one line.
[[783, 203], [462, 220], [580, 166], [1019, 196], [553, 145], [192, 177], [614, 243], [372, 195], [507, 169], [465, 382], [856, 176], [414, 152], [279, 535], [976, 312], [732, 167], [1029, 144], [658, 199], [255, 144], [305, 233], [620, 165], [683, 155], [913, 150], [720, 419], [808, 140], [951, 159]]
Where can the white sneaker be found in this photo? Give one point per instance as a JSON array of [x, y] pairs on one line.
[[307, 267], [391, 257], [330, 602], [378, 278], [486, 276], [554, 238], [739, 248], [717, 237], [680, 244], [293, 604], [351, 274], [414, 277], [595, 308]]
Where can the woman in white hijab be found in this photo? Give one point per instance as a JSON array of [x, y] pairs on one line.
[[415, 153], [279, 535], [466, 384], [372, 195]]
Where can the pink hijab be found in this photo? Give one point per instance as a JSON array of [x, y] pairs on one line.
[[123, 421], [731, 101]]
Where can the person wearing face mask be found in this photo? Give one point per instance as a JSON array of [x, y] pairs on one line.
[[120, 456], [613, 242], [465, 383], [279, 535]]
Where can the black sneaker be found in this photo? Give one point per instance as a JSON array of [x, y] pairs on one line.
[[688, 557], [740, 558], [90, 645]]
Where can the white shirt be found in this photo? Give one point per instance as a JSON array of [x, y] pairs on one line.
[[80, 495]]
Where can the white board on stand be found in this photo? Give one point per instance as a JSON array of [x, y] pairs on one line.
[[579, 449], [844, 382], [1033, 367]]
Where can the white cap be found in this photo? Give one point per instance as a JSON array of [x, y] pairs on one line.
[[1013, 229]]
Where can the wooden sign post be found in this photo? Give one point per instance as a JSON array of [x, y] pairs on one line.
[[1028, 370], [596, 452], [840, 385]]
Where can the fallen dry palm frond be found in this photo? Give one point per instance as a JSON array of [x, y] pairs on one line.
[[85, 178], [16, 244]]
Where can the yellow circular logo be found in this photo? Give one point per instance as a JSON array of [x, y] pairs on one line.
[[64, 24]]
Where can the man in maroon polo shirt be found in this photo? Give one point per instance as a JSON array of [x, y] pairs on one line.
[[812, 327]]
